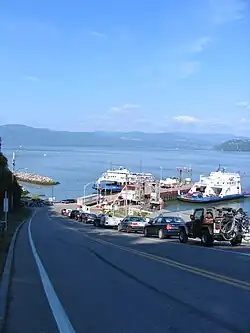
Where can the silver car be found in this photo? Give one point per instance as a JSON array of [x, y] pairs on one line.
[[132, 224]]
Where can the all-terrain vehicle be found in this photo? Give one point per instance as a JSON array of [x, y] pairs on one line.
[[221, 224]]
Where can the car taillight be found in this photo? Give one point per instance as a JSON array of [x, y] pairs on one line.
[[217, 227], [168, 227]]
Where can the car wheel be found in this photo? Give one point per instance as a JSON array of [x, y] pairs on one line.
[[128, 229], [183, 237], [145, 232], [161, 234], [236, 241], [119, 228], [206, 239]]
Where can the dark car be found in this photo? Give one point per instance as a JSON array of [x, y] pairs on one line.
[[68, 201], [91, 218], [97, 222], [132, 223], [85, 217], [73, 213], [81, 217], [164, 226]]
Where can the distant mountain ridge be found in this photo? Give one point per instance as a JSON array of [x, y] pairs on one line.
[[21, 135], [235, 145]]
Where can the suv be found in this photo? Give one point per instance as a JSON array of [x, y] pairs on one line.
[[209, 224]]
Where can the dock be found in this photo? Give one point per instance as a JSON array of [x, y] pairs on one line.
[[171, 193], [135, 197]]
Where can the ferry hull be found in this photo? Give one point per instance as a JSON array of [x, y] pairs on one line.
[[108, 188], [185, 198]]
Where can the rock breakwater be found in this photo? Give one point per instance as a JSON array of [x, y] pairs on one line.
[[34, 179]]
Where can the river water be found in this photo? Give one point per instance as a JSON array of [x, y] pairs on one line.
[[75, 167]]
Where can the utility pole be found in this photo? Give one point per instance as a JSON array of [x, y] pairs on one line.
[[13, 175], [6, 209], [126, 196]]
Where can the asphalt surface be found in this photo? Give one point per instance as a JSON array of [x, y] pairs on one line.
[[125, 283]]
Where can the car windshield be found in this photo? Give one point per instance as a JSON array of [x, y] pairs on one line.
[[136, 218], [176, 219]]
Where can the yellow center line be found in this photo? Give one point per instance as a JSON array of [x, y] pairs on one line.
[[201, 272]]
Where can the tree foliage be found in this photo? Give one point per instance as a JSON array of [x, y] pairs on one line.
[[8, 183]]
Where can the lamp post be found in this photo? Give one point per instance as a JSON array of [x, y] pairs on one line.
[[84, 191]]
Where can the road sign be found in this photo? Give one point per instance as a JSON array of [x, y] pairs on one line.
[[5, 205]]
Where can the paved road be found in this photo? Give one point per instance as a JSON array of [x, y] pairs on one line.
[[119, 283]]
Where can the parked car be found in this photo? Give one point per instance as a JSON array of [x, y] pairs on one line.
[[164, 226], [97, 222], [132, 223], [107, 221], [91, 218], [81, 217], [66, 211], [68, 201], [73, 213], [224, 224]]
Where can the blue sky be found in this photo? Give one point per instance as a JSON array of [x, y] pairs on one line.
[[145, 65]]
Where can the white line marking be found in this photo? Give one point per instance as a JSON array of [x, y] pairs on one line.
[[60, 316]]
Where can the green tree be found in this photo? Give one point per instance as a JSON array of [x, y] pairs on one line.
[[8, 183]]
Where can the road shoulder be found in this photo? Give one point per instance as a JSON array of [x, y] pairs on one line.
[[28, 309]]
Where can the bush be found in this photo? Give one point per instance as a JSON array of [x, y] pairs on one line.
[[8, 183]]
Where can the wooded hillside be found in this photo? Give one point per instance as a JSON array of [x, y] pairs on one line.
[[8, 183]]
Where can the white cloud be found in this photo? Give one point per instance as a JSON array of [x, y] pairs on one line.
[[224, 11], [98, 34], [200, 44], [115, 109], [244, 105], [189, 68], [186, 119], [31, 78], [125, 107], [131, 106]]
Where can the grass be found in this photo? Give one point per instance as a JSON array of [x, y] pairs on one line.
[[15, 219]]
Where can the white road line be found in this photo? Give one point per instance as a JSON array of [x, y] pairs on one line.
[[60, 316]]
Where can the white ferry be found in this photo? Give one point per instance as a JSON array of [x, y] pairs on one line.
[[217, 186], [114, 180]]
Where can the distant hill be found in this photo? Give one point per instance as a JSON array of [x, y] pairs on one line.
[[235, 145], [20, 135]]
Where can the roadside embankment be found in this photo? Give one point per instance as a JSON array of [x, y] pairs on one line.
[[14, 220], [35, 179]]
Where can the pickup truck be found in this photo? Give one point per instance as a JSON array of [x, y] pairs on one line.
[[221, 224]]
